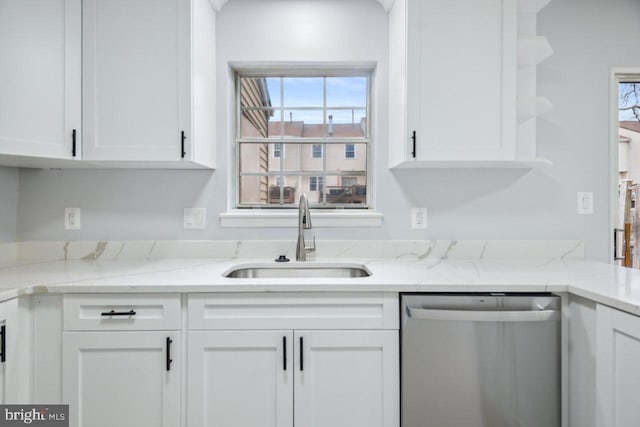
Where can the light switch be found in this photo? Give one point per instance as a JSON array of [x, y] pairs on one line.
[[72, 218], [195, 218], [585, 203]]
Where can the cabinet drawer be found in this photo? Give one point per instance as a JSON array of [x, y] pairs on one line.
[[121, 312], [293, 311]]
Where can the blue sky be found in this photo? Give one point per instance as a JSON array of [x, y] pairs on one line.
[[626, 114], [307, 92]]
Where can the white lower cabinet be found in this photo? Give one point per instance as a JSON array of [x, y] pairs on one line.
[[15, 351], [346, 378], [121, 360], [121, 378], [293, 361], [240, 378], [617, 368]]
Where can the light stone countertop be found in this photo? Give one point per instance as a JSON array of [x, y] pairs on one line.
[[600, 282]]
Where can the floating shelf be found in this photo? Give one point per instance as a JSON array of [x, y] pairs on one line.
[[534, 106], [532, 50]]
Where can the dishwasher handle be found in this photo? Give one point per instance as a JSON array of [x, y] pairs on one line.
[[483, 315]]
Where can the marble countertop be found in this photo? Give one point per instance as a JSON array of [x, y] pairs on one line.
[[600, 282]]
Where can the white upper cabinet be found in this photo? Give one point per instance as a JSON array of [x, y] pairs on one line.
[[148, 70], [459, 73], [39, 78]]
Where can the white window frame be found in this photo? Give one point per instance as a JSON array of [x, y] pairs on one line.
[[319, 182], [237, 216], [345, 152], [321, 151], [281, 146]]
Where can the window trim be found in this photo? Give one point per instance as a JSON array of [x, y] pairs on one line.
[[365, 69]]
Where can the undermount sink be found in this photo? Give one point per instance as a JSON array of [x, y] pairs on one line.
[[297, 270]]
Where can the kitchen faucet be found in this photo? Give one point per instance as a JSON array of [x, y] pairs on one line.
[[304, 222]]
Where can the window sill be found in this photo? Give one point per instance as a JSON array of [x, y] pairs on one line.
[[287, 219]]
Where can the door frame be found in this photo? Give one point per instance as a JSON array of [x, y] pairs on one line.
[[617, 75]]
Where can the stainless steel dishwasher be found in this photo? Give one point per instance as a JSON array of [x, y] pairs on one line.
[[480, 360]]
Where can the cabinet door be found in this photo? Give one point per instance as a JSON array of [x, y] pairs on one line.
[[461, 79], [617, 368], [3, 349], [121, 379], [135, 79], [39, 77], [240, 379], [347, 379]]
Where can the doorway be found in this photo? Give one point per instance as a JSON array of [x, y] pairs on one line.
[[625, 216]]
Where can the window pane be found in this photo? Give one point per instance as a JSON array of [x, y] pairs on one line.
[[347, 92], [260, 123], [346, 157], [346, 190], [255, 157], [303, 91], [303, 123], [316, 151], [253, 190], [273, 87], [346, 123]]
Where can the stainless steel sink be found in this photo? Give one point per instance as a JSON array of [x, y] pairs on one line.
[[297, 271]]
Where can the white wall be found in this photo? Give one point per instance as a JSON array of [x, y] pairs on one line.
[[8, 204], [588, 37]]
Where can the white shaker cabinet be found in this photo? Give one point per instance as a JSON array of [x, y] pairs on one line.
[[346, 378], [240, 378], [121, 378], [617, 368], [121, 360], [148, 73], [40, 89], [458, 77], [293, 360]]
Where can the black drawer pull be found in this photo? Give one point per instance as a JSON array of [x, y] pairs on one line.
[[118, 313], [301, 353], [169, 359], [3, 343], [284, 353]]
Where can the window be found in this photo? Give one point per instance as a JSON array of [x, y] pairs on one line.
[[324, 114], [277, 151], [315, 183], [349, 151], [316, 151]]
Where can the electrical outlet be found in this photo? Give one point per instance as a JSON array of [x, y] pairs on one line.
[[72, 218], [195, 218], [419, 218], [585, 203]]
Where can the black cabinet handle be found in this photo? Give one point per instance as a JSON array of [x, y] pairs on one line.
[[169, 359], [182, 138], [301, 354], [3, 343], [615, 243], [118, 313], [73, 143], [413, 138], [284, 353]]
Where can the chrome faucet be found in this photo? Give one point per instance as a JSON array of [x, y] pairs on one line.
[[304, 222]]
